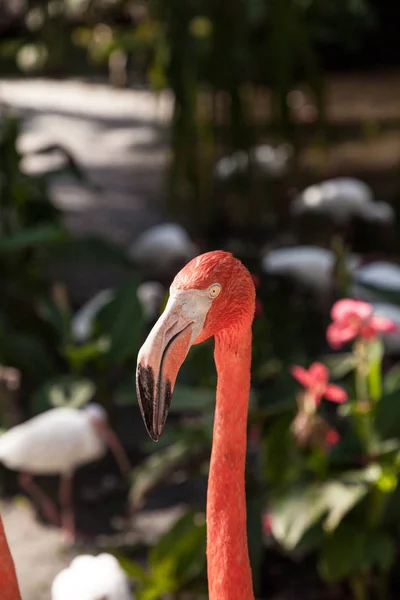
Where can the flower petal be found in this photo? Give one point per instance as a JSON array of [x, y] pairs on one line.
[[342, 309], [319, 374], [338, 333], [302, 375], [334, 393], [383, 324]]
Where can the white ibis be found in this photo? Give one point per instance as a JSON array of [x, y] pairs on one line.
[[92, 578], [161, 248], [370, 279], [57, 442], [311, 266], [340, 199]]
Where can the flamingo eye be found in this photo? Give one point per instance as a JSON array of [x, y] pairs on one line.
[[214, 290]]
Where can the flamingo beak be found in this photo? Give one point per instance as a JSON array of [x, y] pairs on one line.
[[163, 353]]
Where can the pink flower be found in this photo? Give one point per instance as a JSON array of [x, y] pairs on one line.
[[331, 438], [352, 318], [256, 280], [315, 380]]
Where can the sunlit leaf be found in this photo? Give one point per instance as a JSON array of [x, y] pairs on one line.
[[67, 390], [31, 237]]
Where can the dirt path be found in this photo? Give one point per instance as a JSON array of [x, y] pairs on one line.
[[39, 552]]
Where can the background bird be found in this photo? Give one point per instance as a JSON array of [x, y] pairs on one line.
[[92, 578], [162, 249], [341, 199], [310, 266], [57, 442]]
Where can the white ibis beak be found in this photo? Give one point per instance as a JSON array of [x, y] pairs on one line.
[[163, 353]]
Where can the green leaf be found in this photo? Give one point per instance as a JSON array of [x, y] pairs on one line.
[[339, 366], [29, 354], [353, 549], [56, 316], [132, 568], [342, 498], [121, 320], [67, 390], [79, 356], [343, 552], [155, 469], [295, 512], [391, 381], [91, 250], [381, 551], [387, 415], [301, 507], [33, 236], [188, 540]]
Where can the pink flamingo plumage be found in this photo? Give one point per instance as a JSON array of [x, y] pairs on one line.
[[213, 295], [9, 589]]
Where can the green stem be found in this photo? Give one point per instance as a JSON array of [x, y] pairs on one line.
[[362, 416], [358, 587]]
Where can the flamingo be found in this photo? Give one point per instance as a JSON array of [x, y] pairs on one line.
[[8, 577], [57, 442], [213, 295], [92, 578]]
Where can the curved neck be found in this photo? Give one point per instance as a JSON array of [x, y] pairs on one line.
[[229, 574], [9, 589]]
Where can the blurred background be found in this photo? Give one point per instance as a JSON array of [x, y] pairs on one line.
[[135, 134]]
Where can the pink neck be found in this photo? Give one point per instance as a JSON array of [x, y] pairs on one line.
[[229, 574], [8, 579]]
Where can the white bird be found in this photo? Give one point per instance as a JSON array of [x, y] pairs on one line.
[[342, 198], [92, 578], [310, 266], [272, 162], [379, 274], [57, 442], [162, 248]]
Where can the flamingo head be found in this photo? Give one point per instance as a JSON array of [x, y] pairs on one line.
[[212, 294]]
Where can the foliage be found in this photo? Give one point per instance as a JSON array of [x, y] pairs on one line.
[[36, 319], [177, 560]]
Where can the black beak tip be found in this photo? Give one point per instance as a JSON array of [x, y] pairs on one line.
[[146, 389]]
